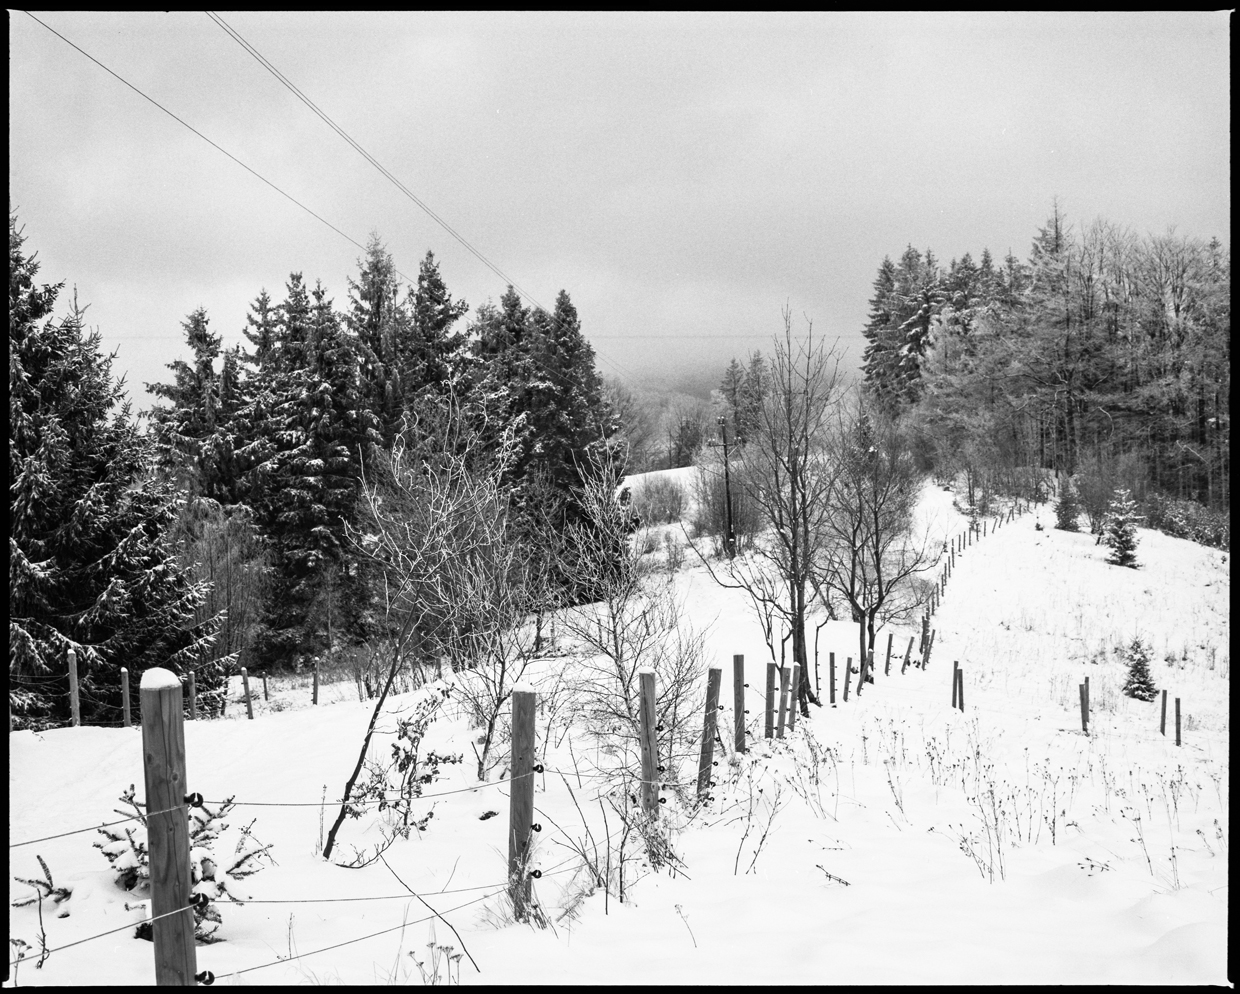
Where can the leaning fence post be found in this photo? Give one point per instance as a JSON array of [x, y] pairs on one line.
[[521, 799], [713, 678], [125, 697], [738, 699], [769, 726], [1177, 721], [783, 700], [908, 652], [245, 683], [75, 711], [925, 659], [650, 751], [1162, 725], [193, 696], [847, 677], [887, 667], [167, 828], [794, 697]]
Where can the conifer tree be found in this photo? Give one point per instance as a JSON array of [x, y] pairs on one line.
[[90, 565], [1068, 507], [1140, 684], [1121, 530]]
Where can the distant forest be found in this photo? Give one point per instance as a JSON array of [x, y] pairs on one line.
[[1105, 357]]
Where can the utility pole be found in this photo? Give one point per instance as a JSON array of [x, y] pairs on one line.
[[727, 488]]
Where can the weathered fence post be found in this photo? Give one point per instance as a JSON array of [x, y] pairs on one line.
[[167, 828], [783, 700], [793, 700], [193, 696], [861, 670], [925, 659], [650, 748], [738, 699], [769, 726], [960, 688], [955, 679], [831, 679], [245, 684], [907, 653], [125, 716], [1084, 710], [75, 711], [887, 667], [847, 677], [1177, 721], [266, 696], [713, 678], [314, 699], [925, 632], [521, 800], [1162, 725]]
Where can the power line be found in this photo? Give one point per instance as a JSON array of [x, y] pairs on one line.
[[183, 123], [323, 116]]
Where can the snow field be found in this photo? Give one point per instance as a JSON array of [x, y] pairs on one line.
[[891, 839]]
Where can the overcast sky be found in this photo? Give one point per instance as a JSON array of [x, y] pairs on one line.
[[683, 176]]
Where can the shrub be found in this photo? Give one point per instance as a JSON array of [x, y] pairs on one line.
[[1188, 519], [658, 500], [218, 877], [711, 513]]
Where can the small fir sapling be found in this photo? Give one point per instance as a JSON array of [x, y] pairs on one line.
[[1121, 530], [217, 877], [1068, 507], [45, 889], [1139, 685]]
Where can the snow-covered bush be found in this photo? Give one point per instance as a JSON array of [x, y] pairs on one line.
[[219, 877], [1121, 530]]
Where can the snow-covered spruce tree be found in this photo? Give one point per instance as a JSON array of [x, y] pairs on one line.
[[1068, 507], [1139, 685], [1121, 530], [217, 876], [91, 567]]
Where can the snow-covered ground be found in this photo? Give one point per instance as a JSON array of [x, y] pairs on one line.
[[890, 839]]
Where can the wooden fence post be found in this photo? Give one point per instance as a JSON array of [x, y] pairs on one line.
[[245, 683], [925, 659], [784, 676], [955, 678], [314, 699], [193, 696], [266, 696], [960, 688], [847, 677], [1177, 721], [1087, 693], [831, 679], [521, 800], [793, 699], [1162, 725], [867, 662], [75, 710], [125, 716], [887, 667], [907, 653], [768, 729], [738, 699], [1084, 711], [650, 748], [706, 762], [167, 828]]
